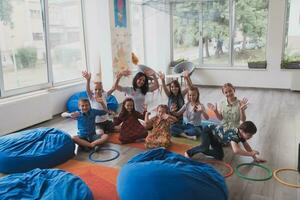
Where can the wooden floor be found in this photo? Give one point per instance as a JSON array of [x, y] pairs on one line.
[[277, 116]]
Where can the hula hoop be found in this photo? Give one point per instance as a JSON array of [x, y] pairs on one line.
[[228, 166], [269, 176], [275, 174], [105, 160]]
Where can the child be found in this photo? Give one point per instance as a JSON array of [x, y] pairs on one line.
[[214, 137], [139, 89], [174, 93], [131, 128], [87, 136], [98, 102], [231, 111], [192, 112], [160, 134]]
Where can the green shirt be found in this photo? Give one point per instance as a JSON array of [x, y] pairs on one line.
[[230, 113]]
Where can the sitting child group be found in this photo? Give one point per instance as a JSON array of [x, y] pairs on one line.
[[177, 118]]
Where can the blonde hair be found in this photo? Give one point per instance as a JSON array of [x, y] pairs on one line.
[[194, 89], [227, 85]]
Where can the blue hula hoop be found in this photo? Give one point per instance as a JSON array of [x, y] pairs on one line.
[[105, 160]]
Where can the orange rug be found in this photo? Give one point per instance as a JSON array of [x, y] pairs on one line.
[[100, 179], [175, 147]]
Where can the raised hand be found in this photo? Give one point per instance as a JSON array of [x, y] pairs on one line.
[[99, 99], [186, 73], [200, 108], [145, 107], [212, 106], [161, 75], [173, 107], [243, 104], [86, 75]]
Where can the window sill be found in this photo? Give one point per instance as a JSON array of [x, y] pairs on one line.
[[230, 68]]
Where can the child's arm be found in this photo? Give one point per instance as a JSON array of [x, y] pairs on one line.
[[249, 152], [215, 109], [201, 108], [155, 86], [179, 112], [72, 115], [163, 82], [170, 118], [117, 121], [148, 121], [116, 85], [99, 112], [243, 104], [187, 79], [101, 101], [87, 76]]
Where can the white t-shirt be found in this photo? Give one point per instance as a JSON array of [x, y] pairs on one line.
[[98, 106], [190, 116], [138, 97]]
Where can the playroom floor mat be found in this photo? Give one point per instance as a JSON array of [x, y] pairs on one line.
[[100, 179]]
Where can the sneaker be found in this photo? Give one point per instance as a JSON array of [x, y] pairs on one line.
[[186, 155], [194, 137], [202, 156]]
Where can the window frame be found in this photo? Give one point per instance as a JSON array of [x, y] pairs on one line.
[[232, 25], [50, 82]]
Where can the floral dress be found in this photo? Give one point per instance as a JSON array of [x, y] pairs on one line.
[[159, 135]]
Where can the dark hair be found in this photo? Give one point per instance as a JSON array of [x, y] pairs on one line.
[[124, 113], [145, 87], [248, 127], [198, 93], [84, 100], [227, 85], [176, 84]]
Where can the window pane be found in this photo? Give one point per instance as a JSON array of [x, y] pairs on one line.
[[186, 31], [215, 28], [22, 43], [66, 39], [292, 40], [250, 31], [136, 19]]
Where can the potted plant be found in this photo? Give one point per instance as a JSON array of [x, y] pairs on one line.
[[291, 62], [257, 64]]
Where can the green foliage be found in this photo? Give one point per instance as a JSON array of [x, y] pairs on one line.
[[5, 12], [26, 57]]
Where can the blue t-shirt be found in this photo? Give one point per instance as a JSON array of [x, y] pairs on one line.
[[86, 122], [227, 136]]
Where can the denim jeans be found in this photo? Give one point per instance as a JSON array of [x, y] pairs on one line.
[[189, 129], [207, 140]]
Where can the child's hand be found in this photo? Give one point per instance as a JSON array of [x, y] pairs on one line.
[[259, 160], [254, 153], [145, 106], [99, 99], [161, 75], [200, 108], [74, 115], [185, 73], [212, 106], [243, 104], [173, 107], [86, 75]]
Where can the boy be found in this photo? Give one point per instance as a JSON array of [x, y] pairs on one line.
[[87, 136], [98, 102], [215, 137]]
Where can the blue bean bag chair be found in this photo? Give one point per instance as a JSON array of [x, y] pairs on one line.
[[159, 174], [112, 103], [36, 148], [44, 184], [72, 103]]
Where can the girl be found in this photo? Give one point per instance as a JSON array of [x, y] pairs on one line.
[[160, 134], [232, 110], [192, 112], [139, 89], [174, 93], [131, 128]]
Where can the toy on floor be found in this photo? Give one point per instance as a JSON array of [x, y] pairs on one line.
[[159, 174], [44, 184], [269, 172], [35, 148], [117, 154]]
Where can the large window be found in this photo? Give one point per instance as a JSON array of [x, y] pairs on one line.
[[66, 39], [291, 57], [231, 32], [23, 51], [24, 62]]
